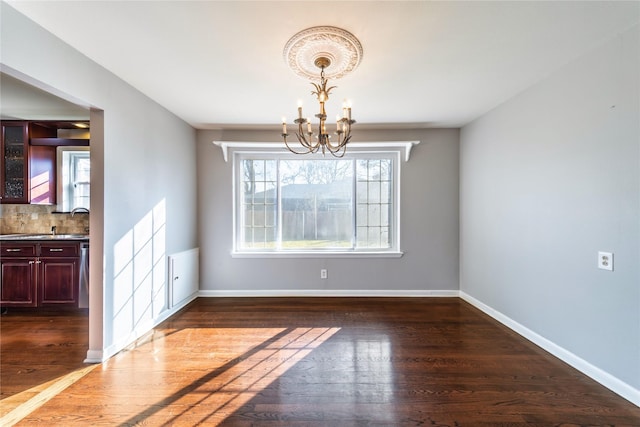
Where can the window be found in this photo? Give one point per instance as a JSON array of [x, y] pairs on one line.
[[288, 204], [74, 180]]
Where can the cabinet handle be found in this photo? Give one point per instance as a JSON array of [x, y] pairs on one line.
[[14, 250], [56, 250], [31, 262], [38, 262]]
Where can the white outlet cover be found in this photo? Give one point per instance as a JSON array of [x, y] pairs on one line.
[[605, 261]]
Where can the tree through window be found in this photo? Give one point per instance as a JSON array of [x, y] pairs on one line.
[[286, 203]]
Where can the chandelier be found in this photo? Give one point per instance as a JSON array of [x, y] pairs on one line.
[[334, 51]]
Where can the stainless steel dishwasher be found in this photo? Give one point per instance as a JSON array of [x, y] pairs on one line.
[[83, 292]]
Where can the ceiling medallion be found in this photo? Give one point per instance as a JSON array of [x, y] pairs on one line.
[[342, 48], [335, 52]]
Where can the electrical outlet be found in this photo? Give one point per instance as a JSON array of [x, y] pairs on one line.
[[605, 261], [323, 273]]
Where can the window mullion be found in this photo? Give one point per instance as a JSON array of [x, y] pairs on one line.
[[354, 205], [279, 203]]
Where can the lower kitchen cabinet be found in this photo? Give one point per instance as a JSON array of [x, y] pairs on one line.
[[18, 282], [47, 278], [58, 281]]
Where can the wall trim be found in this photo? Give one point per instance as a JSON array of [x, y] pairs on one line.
[[604, 378], [94, 356], [327, 293]]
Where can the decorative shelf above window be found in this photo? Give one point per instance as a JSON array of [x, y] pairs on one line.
[[404, 146]]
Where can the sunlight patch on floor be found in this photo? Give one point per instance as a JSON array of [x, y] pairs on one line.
[[240, 379], [16, 407]]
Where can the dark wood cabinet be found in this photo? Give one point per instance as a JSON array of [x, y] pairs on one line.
[[18, 274], [39, 274], [58, 281], [18, 278], [28, 158], [14, 163], [58, 274]]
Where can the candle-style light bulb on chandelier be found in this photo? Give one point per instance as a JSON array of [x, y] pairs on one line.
[[328, 49], [322, 138]]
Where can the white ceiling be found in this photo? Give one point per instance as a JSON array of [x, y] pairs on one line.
[[425, 64]]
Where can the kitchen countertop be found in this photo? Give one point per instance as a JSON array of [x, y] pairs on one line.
[[45, 237]]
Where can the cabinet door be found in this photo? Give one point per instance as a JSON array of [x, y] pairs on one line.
[[14, 166], [18, 282], [58, 281]]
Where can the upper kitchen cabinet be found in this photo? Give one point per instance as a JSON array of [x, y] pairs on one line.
[[59, 133], [29, 161], [14, 164]]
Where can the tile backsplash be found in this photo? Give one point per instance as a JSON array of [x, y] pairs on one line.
[[38, 219]]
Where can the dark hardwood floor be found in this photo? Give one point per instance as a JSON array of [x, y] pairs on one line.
[[333, 362], [40, 346]]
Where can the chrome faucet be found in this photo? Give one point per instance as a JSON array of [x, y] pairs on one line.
[[53, 230], [79, 209]]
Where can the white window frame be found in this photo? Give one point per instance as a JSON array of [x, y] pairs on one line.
[[65, 161], [397, 151]]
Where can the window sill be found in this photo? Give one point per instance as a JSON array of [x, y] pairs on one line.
[[317, 254]]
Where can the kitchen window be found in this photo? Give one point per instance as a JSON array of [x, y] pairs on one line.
[[288, 205], [74, 181]]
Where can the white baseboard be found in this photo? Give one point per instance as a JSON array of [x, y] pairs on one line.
[[173, 310], [129, 339], [612, 383], [94, 356], [327, 293]]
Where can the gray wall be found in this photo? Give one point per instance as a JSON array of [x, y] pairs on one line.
[[429, 226], [143, 179], [547, 180]]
